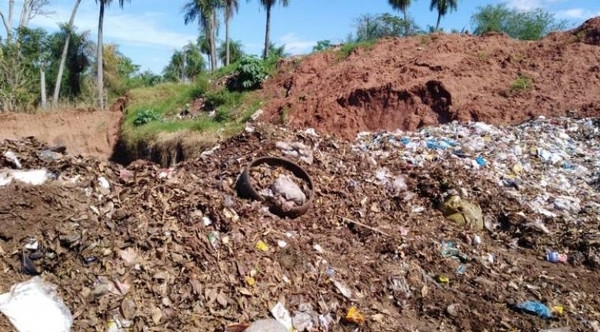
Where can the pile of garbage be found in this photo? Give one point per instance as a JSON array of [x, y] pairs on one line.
[[466, 226]]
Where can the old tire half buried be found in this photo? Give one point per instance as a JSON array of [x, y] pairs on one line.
[[245, 187]]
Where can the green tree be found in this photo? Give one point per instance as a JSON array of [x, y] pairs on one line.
[[185, 64], [235, 53], [268, 5], [371, 27], [402, 5], [322, 45], [78, 60], [230, 7], [205, 11], [34, 54], [443, 7], [277, 51], [100, 49], [524, 25], [119, 71]]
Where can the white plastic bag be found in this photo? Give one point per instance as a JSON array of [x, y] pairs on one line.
[[34, 306]]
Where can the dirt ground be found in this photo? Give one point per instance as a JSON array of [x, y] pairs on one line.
[[86, 132], [177, 250], [408, 83]]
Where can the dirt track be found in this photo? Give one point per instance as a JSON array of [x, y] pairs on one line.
[[92, 133], [407, 83]]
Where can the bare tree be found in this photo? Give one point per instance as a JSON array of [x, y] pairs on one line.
[[30, 9], [8, 20]]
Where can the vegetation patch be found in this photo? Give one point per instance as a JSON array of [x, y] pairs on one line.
[[523, 83], [348, 48]]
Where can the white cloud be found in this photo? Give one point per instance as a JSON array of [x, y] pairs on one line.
[[531, 4], [294, 44], [576, 13], [525, 4], [140, 29]]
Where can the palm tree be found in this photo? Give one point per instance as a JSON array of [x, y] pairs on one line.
[[206, 13], [443, 7], [231, 6], [234, 51], [402, 5], [63, 57], [100, 49], [268, 4]]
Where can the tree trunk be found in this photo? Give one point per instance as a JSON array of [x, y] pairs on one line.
[[227, 51], [213, 40], [437, 25], [24, 13], [99, 58], [267, 33], [43, 84], [7, 21], [63, 57], [406, 25]]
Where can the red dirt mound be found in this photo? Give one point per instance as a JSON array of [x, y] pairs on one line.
[[407, 83], [93, 133]]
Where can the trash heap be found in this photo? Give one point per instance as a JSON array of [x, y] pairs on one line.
[[465, 226]]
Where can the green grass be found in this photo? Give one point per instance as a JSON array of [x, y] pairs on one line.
[[348, 48], [233, 109], [522, 83]]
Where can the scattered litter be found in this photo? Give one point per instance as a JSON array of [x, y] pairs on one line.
[[536, 308], [555, 257], [260, 245], [282, 315], [39, 298], [355, 316], [12, 157], [34, 177], [267, 325]]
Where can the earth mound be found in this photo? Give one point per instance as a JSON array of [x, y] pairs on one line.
[[408, 83]]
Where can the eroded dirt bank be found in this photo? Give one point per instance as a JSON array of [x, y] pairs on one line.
[[408, 83], [87, 132]]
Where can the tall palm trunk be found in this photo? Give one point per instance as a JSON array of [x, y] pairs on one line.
[[63, 57], [405, 13], [213, 40], [267, 33], [227, 42], [99, 58], [437, 25], [43, 83]]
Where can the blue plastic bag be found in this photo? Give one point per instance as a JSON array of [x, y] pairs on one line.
[[536, 308]]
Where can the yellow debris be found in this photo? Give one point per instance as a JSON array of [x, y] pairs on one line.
[[260, 245], [355, 316]]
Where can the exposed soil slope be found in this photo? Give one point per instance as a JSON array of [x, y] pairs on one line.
[[86, 132], [412, 82]]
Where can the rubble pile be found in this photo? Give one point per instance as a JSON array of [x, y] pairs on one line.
[[459, 227]]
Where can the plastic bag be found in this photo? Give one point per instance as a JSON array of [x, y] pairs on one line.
[[34, 306]]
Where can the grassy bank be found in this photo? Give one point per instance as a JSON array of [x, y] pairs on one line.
[[152, 129]]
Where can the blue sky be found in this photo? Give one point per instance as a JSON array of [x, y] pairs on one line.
[[148, 31]]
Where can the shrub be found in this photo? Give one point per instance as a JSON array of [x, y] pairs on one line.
[[146, 116], [250, 73]]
